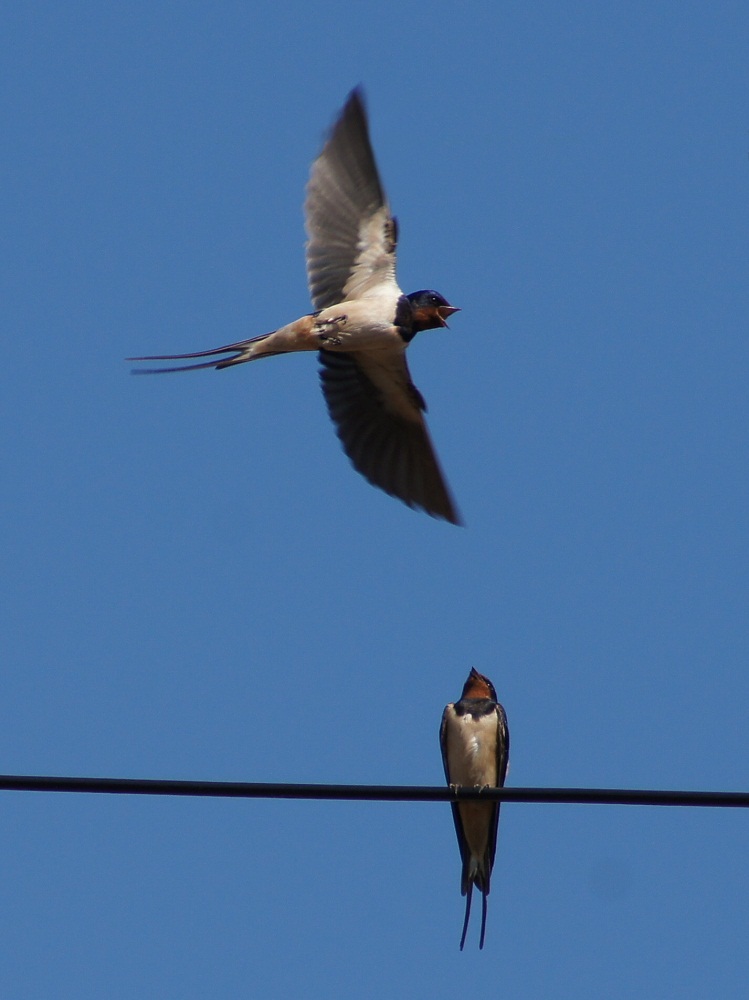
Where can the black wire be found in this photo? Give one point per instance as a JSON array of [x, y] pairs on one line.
[[371, 793]]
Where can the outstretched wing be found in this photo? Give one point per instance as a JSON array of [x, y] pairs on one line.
[[378, 413], [352, 236]]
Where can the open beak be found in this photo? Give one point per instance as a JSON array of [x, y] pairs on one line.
[[446, 311]]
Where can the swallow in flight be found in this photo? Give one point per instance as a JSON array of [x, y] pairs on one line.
[[475, 744], [362, 323]]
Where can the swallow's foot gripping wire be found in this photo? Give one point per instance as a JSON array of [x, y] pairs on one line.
[[327, 330]]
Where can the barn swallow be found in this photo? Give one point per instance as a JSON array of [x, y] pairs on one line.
[[475, 744], [362, 323]]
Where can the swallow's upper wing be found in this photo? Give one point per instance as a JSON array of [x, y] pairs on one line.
[[378, 413], [352, 236]]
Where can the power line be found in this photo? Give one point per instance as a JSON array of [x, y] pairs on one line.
[[370, 793]]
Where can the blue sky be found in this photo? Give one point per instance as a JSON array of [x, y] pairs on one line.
[[199, 586]]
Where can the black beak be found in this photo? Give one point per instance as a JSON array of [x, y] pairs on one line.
[[445, 311]]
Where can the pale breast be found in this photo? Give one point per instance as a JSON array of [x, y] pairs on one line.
[[471, 749], [369, 322]]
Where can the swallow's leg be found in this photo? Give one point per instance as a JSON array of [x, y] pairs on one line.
[[327, 329]]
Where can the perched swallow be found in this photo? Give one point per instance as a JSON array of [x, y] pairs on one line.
[[475, 745], [362, 325]]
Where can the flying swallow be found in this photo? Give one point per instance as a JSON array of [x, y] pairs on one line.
[[475, 744], [362, 323]]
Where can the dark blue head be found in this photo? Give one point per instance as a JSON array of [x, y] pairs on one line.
[[429, 309]]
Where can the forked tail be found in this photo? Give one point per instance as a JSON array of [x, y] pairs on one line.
[[243, 350]]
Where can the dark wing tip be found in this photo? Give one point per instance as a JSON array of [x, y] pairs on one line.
[[454, 516], [357, 99], [352, 114]]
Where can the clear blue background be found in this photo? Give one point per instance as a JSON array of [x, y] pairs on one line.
[[197, 585]]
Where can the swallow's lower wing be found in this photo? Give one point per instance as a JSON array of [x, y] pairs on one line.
[[465, 851], [352, 236], [503, 745], [503, 760], [378, 415]]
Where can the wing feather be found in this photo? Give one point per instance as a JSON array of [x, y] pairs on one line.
[[376, 410], [465, 852], [503, 759], [352, 236]]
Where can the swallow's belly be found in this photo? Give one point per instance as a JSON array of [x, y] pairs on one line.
[[359, 325]]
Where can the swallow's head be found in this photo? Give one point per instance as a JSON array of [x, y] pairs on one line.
[[478, 686], [429, 310]]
